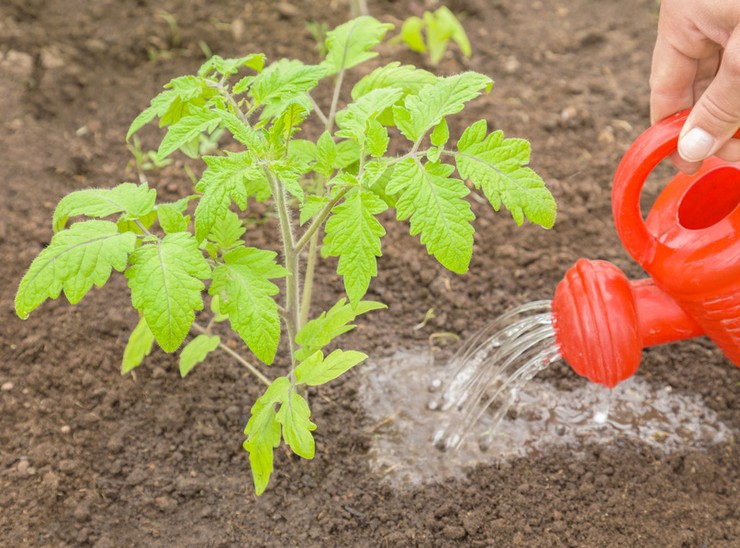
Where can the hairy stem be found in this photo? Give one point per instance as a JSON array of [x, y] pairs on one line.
[[292, 283], [252, 369], [335, 101], [308, 279], [319, 220]]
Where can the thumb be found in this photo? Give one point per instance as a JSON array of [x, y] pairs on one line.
[[716, 115]]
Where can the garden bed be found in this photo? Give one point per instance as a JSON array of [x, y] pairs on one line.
[[90, 457]]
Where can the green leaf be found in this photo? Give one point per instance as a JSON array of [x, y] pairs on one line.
[[263, 432], [196, 351], [353, 120], [411, 34], [295, 418], [441, 134], [228, 231], [303, 150], [326, 154], [289, 172], [438, 211], [186, 129], [76, 259], [496, 165], [228, 67], [245, 295], [452, 29], [171, 219], [133, 200], [246, 135], [165, 281], [311, 207], [422, 111], [348, 153], [316, 369], [320, 331], [284, 80], [138, 347], [157, 108], [377, 139], [231, 177], [350, 44], [407, 78], [353, 234]]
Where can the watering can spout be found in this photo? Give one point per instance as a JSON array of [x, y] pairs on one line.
[[603, 321], [690, 247]]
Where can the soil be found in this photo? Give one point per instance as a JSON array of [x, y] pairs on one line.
[[88, 457]]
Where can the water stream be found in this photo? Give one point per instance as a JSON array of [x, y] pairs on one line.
[[486, 405]]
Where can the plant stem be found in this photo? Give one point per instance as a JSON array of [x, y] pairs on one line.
[[319, 221], [308, 279], [292, 283], [335, 101], [252, 369], [319, 112]]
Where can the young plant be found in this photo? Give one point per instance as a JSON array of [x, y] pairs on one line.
[[329, 194], [433, 32]]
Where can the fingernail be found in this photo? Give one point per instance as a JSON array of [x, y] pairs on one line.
[[695, 145]]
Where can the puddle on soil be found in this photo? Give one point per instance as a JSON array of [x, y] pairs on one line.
[[396, 395]]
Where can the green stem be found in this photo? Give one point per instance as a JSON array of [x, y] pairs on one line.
[[292, 283], [319, 221], [308, 278], [252, 369], [335, 101]]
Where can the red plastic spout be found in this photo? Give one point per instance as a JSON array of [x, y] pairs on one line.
[[603, 321]]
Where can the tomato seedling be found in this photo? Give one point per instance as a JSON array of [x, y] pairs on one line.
[[328, 195]]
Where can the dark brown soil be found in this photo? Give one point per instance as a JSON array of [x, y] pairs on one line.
[[90, 457]]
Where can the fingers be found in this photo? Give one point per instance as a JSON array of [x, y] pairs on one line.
[[671, 80], [716, 115]]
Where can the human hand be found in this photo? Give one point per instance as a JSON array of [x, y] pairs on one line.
[[696, 63]]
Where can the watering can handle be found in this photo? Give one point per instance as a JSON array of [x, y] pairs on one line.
[[648, 150]]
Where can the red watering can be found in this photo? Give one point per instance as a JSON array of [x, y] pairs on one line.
[[689, 246]]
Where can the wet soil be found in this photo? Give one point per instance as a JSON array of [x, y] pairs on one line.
[[88, 457]]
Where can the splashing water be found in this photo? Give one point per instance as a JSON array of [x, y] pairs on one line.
[[492, 368]]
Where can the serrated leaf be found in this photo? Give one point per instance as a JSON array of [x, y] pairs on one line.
[[348, 153], [353, 120], [171, 220], [231, 177], [76, 259], [326, 154], [187, 129], [138, 347], [316, 369], [350, 44], [133, 200], [165, 281], [411, 34], [283, 80], [246, 296], [228, 67], [353, 234], [319, 332], [295, 417], [246, 135], [289, 172], [441, 134], [497, 166], [227, 232], [157, 107], [377, 139], [447, 96], [311, 207], [434, 202], [408, 78], [303, 150], [263, 432], [196, 351]]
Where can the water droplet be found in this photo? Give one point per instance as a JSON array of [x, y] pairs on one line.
[[433, 405], [600, 417], [435, 385]]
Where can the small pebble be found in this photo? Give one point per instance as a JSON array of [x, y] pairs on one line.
[[7, 387], [65, 429]]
